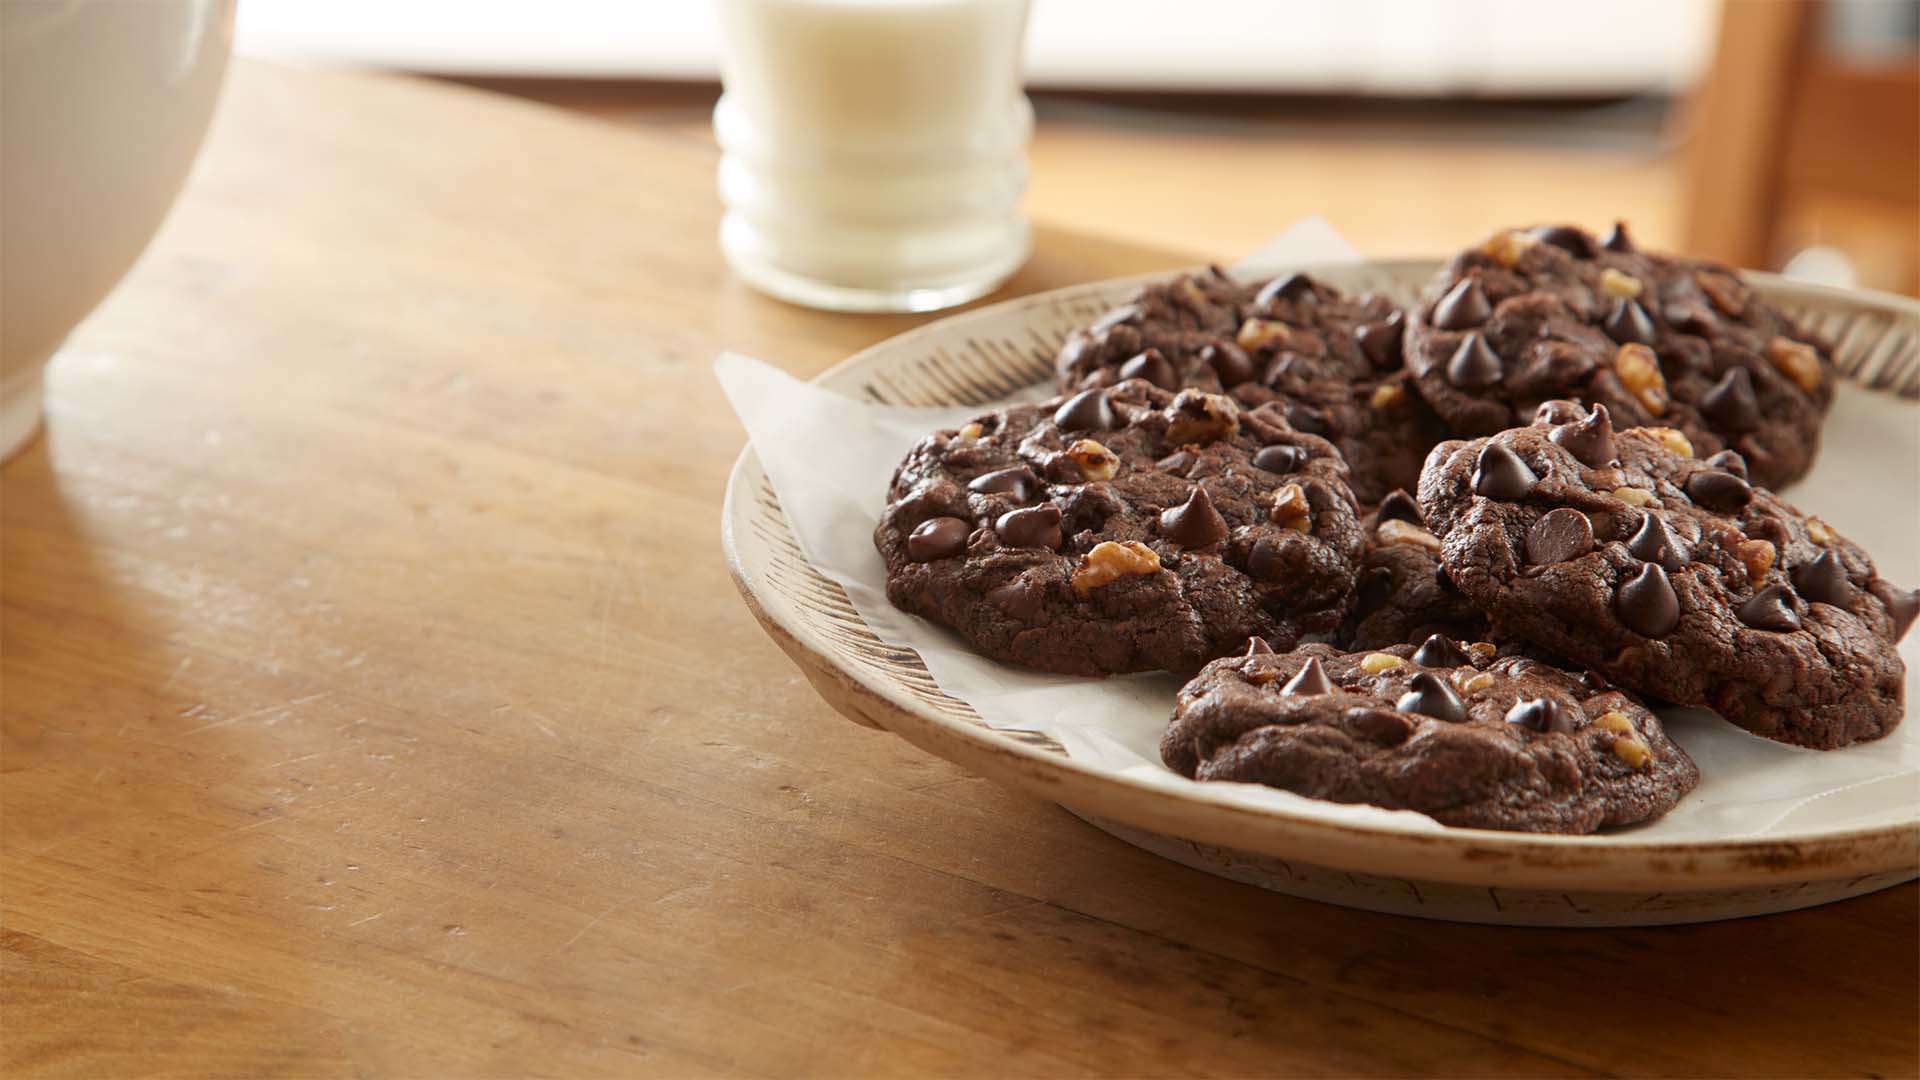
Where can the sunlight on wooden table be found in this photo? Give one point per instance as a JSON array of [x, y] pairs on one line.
[[377, 703]]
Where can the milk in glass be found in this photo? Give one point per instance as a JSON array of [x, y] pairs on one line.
[[873, 150]]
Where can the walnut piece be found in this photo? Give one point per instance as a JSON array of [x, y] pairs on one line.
[[1758, 555], [1619, 285], [1673, 440], [1096, 461], [1261, 674], [1387, 396], [1633, 496], [1396, 531], [1725, 292], [1109, 561], [1507, 247], [1639, 369], [1257, 334], [1797, 361], [1375, 663], [1615, 722], [1632, 751], [1290, 509], [971, 431], [1470, 681], [1196, 417]]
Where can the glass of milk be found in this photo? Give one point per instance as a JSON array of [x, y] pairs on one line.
[[873, 151]]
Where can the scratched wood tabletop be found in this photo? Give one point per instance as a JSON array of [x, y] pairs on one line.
[[376, 702]]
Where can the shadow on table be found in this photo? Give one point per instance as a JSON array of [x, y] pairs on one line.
[[1154, 958], [129, 861]]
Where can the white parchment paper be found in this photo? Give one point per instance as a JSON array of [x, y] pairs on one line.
[[830, 458]]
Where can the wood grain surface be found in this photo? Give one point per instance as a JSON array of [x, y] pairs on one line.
[[376, 702]]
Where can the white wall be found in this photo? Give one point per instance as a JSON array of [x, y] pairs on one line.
[[1407, 47]]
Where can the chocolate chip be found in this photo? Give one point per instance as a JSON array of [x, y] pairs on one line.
[[1086, 411], [1273, 559], [1647, 604], [1692, 318], [1589, 439], [1628, 323], [1292, 287], [1729, 461], [938, 538], [1279, 459], [1429, 695], [1718, 490], [1656, 542], [1573, 241], [1558, 536], [1731, 403], [1281, 367], [1153, 367], [1228, 361], [1308, 419], [1444, 582], [1901, 604], [1020, 482], [1312, 679], [1194, 523], [1618, 240], [1498, 473], [1381, 340], [1823, 581], [1439, 650], [1377, 725], [1544, 715], [1559, 411], [1474, 365], [1019, 598], [1175, 463], [1376, 587], [1463, 305], [1257, 646], [1771, 609], [1030, 527], [1399, 506]]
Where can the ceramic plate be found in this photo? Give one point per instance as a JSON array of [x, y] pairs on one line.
[[1466, 874]]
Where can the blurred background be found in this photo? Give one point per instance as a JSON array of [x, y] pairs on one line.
[[1770, 133]]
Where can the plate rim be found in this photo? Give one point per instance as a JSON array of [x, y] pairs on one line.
[[1470, 856]]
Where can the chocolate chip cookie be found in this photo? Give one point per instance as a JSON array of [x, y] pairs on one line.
[[1403, 596], [1553, 312], [1122, 529], [1673, 576], [1448, 729], [1325, 363]]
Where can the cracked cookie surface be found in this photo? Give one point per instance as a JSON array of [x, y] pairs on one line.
[[1675, 577], [1317, 359], [1446, 728], [1554, 312], [1402, 594], [1121, 529]]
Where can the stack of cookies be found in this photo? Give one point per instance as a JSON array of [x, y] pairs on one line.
[[1433, 559]]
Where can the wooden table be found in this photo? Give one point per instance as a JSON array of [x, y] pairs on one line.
[[376, 701]]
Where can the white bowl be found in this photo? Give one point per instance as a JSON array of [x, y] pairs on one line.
[[103, 104]]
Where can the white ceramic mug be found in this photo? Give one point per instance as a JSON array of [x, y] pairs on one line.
[[102, 106]]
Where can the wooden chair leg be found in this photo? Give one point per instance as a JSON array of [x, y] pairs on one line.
[[1736, 129]]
